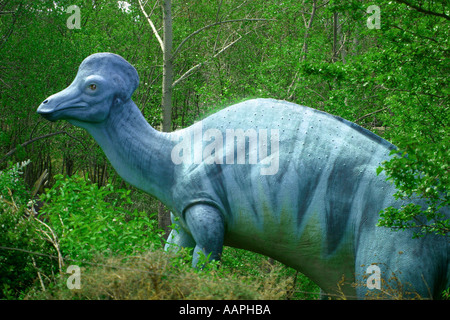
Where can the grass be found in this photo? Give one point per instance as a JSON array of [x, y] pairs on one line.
[[158, 275]]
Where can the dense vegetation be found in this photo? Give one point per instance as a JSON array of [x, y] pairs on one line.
[[392, 80]]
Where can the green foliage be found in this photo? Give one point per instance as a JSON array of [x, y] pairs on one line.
[[411, 66], [19, 235], [12, 184], [86, 221], [422, 172], [396, 78], [243, 263], [89, 219]]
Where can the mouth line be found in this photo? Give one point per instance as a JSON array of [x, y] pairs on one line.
[[57, 114], [72, 107], [57, 109]]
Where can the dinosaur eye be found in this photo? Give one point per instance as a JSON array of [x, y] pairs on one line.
[[93, 86]]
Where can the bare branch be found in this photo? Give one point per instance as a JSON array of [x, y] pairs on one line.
[[218, 10], [199, 65], [53, 239], [155, 32], [38, 273], [308, 28], [420, 9], [237, 8], [369, 114], [415, 34], [304, 48], [210, 26], [11, 152]]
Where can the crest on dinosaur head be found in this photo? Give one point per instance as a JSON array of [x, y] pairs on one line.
[[112, 66]]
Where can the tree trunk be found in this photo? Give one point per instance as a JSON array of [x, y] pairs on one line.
[[308, 30], [304, 53], [163, 213], [167, 67], [335, 36]]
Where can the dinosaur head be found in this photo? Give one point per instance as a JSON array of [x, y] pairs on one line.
[[104, 80]]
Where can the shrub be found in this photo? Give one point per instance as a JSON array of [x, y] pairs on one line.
[[19, 235], [422, 172], [12, 184], [90, 220]]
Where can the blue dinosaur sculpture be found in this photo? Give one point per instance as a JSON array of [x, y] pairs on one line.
[[273, 177]]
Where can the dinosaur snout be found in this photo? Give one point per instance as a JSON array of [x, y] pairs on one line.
[[61, 104], [46, 109]]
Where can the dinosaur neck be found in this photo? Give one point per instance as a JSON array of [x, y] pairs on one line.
[[138, 152]]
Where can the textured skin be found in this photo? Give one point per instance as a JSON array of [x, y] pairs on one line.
[[310, 197]]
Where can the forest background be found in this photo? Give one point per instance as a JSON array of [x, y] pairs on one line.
[[381, 64]]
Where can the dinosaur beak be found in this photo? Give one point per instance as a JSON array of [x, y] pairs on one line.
[[56, 106]]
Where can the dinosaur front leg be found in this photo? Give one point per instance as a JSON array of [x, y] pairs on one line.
[[207, 228]]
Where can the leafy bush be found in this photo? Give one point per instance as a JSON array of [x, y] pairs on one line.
[[78, 221], [89, 219], [422, 173], [19, 235], [12, 184]]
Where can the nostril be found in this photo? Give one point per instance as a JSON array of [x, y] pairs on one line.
[[45, 102]]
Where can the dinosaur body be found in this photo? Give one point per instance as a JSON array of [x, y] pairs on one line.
[[269, 176]]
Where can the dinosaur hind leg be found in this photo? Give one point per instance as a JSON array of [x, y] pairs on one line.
[[206, 225]]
